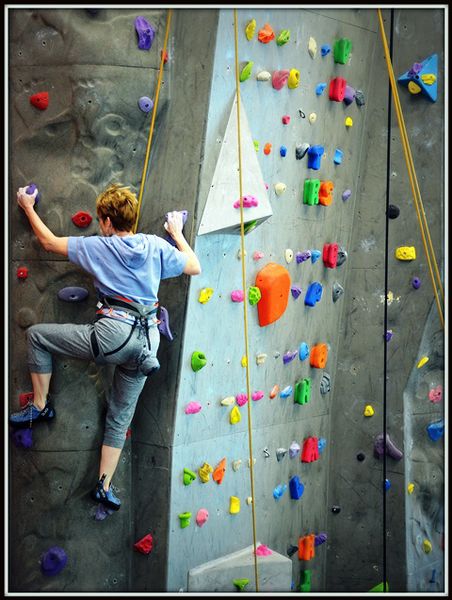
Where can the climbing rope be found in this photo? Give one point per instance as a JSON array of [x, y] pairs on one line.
[[154, 113], [245, 314], [422, 220]]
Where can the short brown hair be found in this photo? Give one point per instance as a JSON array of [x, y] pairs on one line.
[[120, 204]]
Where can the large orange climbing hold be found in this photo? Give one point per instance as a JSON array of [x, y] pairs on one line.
[[306, 547], [326, 193], [319, 356], [274, 283], [219, 472], [266, 34]]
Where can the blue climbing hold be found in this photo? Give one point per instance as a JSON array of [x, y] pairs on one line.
[[145, 104], [279, 491], [283, 151], [436, 430], [325, 49], [321, 444], [315, 255], [424, 77], [315, 154], [23, 438], [73, 294], [338, 155], [286, 392], [303, 351], [314, 294], [296, 488], [320, 87], [53, 561], [387, 484], [31, 189]]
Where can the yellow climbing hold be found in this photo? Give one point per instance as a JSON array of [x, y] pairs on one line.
[[244, 361], [204, 472], [369, 411], [229, 401], [428, 78], [422, 362], [294, 79], [410, 488], [405, 253], [205, 295], [256, 145], [234, 505], [235, 416], [348, 122], [427, 546], [414, 88], [250, 29]]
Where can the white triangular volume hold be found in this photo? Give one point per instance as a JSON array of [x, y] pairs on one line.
[[219, 212]]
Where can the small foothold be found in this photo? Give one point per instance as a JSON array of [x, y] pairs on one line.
[[254, 295], [320, 88], [349, 95], [312, 118], [264, 76], [257, 395], [393, 211], [359, 98], [286, 120], [338, 290], [369, 411], [335, 509], [257, 255], [288, 254], [241, 399], [301, 113], [387, 484], [22, 272], [435, 395], [348, 122], [414, 88], [236, 464], [205, 295], [274, 391], [237, 296], [321, 444], [295, 290], [261, 358], [204, 472], [427, 546], [266, 34], [315, 255], [246, 71], [250, 29], [286, 392], [361, 456], [280, 188], [282, 151], [289, 356], [40, 100], [291, 550], [405, 253], [294, 79], [81, 218], [301, 150], [53, 561], [240, 584], [382, 446], [422, 362], [267, 149], [436, 430], [188, 476], [201, 517], [346, 194], [256, 145], [249, 462], [283, 37], [263, 550], [325, 384], [325, 49], [249, 500], [145, 104], [234, 505], [144, 545], [266, 453], [279, 491], [388, 335], [164, 56], [228, 401], [312, 47], [192, 408], [416, 283], [410, 488], [73, 294], [198, 360], [184, 519], [145, 32], [23, 438], [341, 256], [338, 155], [280, 453], [294, 449], [279, 79], [102, 512], [247, 201]]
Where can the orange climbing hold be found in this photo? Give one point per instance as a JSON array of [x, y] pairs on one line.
[[319, 356], [326, 193], [219, 472], [274, 283], [306, 547], [267, 149], [266, 34]]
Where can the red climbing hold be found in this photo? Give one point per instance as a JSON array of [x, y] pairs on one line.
[[330, 255], [165, 56], [22, 273], [337, 89], [81, 218], [145, 544], [25, 398], [40, 100], [128, 433], [310, 451]]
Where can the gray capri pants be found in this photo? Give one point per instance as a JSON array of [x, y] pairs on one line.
[[134, 362]]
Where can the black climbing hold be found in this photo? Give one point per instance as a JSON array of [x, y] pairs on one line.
[[335, 510], [361, 456], [393, 211], [291, 550]]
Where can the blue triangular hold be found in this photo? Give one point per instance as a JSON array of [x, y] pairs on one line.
[[426, 67]]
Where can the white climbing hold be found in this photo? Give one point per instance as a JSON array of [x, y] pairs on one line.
[[261, 358], [236, 464], [229, 401], [280, 188], [312, 47], [312, 118], [249, 500], [249, 462], [289, 255], [263, 76], [239, 253]]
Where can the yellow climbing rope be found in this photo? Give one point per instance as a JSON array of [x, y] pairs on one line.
[[245, 314], [436, 284], [154, 113]]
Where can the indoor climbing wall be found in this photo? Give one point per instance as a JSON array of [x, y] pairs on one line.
[[292, 92]]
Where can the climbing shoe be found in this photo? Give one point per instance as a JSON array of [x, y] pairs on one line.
[[30, 414], [106, 497]]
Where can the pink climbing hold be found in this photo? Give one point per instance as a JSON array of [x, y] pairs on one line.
[[286, 120], [202, 516], [263, 550], [435, 395], [237, 296], [192, 408], [257, 255], [248, 202], [145, 544], [279, 79], [241, 399], [257, 395]]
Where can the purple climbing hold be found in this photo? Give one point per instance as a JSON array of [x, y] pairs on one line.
[[103, 512], [184, 214], [73, 294], [416, 283], [146, 104], [415, 69], [381, 447], [31, 189], [302, 256], [289, 356], [145, 32], [53, 561], [349, 95], [296, 291], [23, 438], [320, 539], [163, 326], [346, 194], [388, 335]]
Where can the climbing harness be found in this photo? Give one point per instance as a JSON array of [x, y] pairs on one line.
[[245, 315]]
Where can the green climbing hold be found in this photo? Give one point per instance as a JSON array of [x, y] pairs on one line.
[[311, 191], [240, 584], [342, 49], [185, 519], [303, 391], [189, 476], [246, 71], [379, 588], [305, 583], [283, 37], [249, 226], [198, 360], [254, 295]]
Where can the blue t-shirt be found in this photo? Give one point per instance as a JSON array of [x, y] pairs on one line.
[[130, 266]]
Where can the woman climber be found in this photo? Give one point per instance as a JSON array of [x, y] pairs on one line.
[[127, 269]]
